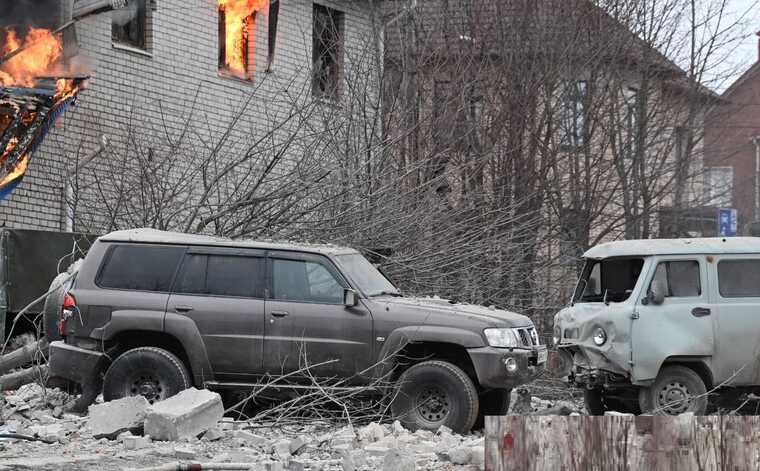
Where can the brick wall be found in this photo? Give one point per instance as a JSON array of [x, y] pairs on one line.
[[174, 86]]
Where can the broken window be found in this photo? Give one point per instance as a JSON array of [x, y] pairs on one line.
[[222, 275], [141, 268], [681, 279], [327, 52], [573, 114], [609, 280], [237, 38], [129, 25], [739, 278]]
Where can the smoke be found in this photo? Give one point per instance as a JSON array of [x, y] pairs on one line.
[[21, 14]]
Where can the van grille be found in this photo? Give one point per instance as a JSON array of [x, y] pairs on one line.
[[528, 336]]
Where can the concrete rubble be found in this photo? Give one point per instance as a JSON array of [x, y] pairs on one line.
[[189, 428]]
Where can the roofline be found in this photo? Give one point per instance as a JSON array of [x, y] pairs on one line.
[[743, 78], [688, 246]]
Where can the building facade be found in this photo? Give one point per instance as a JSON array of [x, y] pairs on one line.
[[166, 97]]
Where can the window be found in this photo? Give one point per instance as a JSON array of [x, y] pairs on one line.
[[365, 275], [739, 278], [237, 39], [609, 280], [573, 114], [129, 25], [297, 280], [141, 268], [222, 275], [719, 185], [631, 96], [327, 52], [681, 278]]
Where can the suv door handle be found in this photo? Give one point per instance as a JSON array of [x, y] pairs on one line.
[[183, 308], [700, 312], [279, 313]]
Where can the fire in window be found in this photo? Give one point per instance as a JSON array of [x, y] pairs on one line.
[[129, 25], [237, 38], [327, 47]]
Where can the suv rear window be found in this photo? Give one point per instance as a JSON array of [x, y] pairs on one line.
[[140, 268], [222, 275]]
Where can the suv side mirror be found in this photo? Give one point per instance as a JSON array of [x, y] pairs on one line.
[[350, 299], [657, 292]]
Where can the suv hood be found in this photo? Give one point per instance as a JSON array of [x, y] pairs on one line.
[[443, 308]]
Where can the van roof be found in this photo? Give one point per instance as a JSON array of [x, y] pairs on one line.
[[646, 247], [154, 236]]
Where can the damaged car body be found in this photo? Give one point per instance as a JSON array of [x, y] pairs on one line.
[[151, 313], [656, 324]]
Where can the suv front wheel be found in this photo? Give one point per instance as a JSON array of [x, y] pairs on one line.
[[436, 393], [151, 372], [676, 390]]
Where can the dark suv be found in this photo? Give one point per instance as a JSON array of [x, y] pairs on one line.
[[151, 313]]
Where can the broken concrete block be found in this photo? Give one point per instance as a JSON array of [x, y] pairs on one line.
[[184, 415], [109, 419], [250, 439], [281, 449], [136, 443], [213, 435], [459, 455], [398, 429], [375, 450], [297, 444], [398, 460], [612, 413], [51, 432], [478, 456], [372, 433], [184, 453]]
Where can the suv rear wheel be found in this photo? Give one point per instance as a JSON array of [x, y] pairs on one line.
[[676, 390], [436, 393], [151, 372]]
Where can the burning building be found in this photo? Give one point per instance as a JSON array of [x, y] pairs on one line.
[[162, 70]]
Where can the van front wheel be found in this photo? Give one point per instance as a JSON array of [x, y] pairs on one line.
[[676, 390]]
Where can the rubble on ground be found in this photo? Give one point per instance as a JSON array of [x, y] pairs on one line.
[[115, 437]]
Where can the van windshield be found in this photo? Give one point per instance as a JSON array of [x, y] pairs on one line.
[[609, 280]]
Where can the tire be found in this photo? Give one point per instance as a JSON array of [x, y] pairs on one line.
[[151, 372], [673, 383], [494, 402], [434, 394], [51, 312]]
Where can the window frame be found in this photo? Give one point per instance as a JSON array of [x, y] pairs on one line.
[[250, 48], [339, 18], [574, 114], [146, 48], [304, 257], [733, 258], [700, 270], [109, 253], [226, 252]]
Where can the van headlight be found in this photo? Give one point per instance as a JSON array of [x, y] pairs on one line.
[[557, 337], [600, 336], [501, 338]]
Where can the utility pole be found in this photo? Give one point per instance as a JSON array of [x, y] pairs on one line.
[[756, 141]]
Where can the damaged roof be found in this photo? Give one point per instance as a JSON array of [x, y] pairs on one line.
[[155, 236], [648, 247]]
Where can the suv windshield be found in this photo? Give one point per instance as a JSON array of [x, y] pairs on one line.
[[366, 276], [610, 280]]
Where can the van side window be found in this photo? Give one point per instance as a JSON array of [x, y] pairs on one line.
[[739, 278], [680, 277], [222, 275], [299, 280], [140, 268]]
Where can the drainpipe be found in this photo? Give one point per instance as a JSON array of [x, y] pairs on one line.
[[756, 141]]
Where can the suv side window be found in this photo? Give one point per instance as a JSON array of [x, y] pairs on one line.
[[739, 278], [680, 277], [140, 267], [222, 275], [300, 280]]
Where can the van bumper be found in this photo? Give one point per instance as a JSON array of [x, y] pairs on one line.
[[78, 365], [490, 365]]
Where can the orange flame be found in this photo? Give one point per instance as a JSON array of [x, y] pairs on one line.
[[44, 49], [237, 14]]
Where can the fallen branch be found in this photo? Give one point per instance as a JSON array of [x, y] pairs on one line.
[[16, 380], [22, 356], [29, 438]]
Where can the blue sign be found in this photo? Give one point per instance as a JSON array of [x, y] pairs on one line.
[[727, 222]]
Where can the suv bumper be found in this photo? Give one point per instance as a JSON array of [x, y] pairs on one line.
[[74, 363], [490, 365]]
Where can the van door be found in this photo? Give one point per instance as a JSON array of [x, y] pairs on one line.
[[222, 291], [737, 346], [307, 322], [682, 325]]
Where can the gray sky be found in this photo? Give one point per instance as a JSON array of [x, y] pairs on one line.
[[746, 52]]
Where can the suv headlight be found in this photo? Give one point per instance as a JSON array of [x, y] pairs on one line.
[[501, 337]]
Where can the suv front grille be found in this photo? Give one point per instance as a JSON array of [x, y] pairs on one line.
[[528, 336]]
